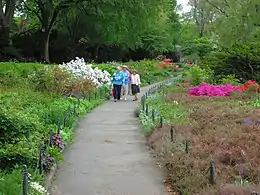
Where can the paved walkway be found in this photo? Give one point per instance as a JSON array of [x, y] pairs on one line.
[[109, 156]]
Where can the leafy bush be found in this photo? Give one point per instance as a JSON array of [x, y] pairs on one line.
[[22, 69], [198, 48], [111, 68], [198, 75], [231, 79], [241, 59], [58, 81]]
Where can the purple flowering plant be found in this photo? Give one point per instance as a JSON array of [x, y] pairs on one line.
[[57, 142], [47, 162]]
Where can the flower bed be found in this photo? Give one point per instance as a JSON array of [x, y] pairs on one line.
[[206, 145], [205, 89]]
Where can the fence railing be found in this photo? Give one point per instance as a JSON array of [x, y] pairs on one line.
[[71, 111]]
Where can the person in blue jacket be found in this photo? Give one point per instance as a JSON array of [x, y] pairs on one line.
[[117, 81], [126, 81]]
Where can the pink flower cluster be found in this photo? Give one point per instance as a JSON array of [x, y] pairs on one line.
[[205, 89]]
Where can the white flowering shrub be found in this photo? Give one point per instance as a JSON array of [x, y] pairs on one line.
[[37, 189], [79, 68]]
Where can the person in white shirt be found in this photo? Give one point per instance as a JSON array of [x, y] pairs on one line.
[[135, 84]]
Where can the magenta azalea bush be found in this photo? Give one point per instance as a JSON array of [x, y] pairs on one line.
[[205, 89]]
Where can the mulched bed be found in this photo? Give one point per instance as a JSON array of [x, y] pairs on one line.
[[218, 128]]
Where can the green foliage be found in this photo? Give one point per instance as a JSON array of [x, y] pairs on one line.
[[111, 68], [198, 48], [10, 183], [255, 103], [96, 29], [196, 74], [230, 79], [28, 111], [171, 112], [240, 59], [12, 73], [149, 71]]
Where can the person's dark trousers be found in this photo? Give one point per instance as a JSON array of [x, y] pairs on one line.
[[117, 91]]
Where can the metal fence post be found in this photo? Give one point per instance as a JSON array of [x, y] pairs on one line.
[[24, 180], [58, 124], [211, 171], [64, 118], [50, 138], [153, 115], [171, 133]]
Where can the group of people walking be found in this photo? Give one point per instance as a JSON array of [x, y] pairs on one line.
[[125, 81]]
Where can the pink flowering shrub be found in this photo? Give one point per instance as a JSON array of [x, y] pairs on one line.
[[205, 89]]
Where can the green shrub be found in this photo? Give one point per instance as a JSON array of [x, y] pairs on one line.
[[230, 79], [22, 69], [197, 75], [240, 58], [111, 68], [10, 183], [149, 71], [58, 81]]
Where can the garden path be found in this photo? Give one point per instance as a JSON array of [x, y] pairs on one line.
[[109, 156]]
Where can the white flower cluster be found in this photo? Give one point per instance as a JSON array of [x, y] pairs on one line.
[[80, 68], [38, 188]]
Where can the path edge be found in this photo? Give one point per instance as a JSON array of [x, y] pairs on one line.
[[48, 178]]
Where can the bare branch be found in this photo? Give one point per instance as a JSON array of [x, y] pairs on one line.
[[218, 8], [33, 11], [227, 4]]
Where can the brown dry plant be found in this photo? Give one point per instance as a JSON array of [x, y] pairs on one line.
[[216, 129]]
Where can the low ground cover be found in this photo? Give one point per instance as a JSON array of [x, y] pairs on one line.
[[203, 134]]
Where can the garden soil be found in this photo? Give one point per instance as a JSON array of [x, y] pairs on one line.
[[109, 156]]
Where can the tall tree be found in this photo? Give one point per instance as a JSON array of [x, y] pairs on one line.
[[7, 8], [47, 12]]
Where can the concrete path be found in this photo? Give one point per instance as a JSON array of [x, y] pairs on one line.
[[109, 156]]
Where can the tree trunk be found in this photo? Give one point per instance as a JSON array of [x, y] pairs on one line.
[[4, 36], [46, 39]]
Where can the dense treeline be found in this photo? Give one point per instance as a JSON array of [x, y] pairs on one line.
[[223, 35], [102, 30]]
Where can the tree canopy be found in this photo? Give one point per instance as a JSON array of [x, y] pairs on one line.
[[54, 30], [223, 34]]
